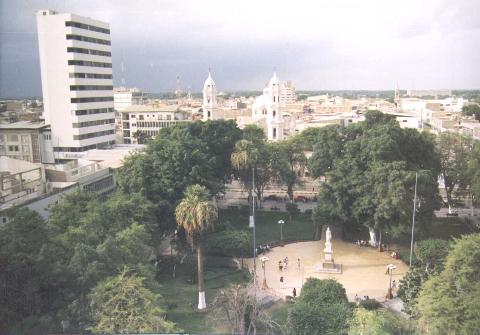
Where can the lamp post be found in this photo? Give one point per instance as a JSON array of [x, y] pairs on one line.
[[390, 267], [264, 259], [281, 223]]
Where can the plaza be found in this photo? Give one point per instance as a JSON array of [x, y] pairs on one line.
[[363, 268]]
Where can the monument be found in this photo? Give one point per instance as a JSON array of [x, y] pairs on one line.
[[328, 265]]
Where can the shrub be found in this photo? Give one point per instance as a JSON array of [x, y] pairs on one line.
[[232, 243], [370, 304]]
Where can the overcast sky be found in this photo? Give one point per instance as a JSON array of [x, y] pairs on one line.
[[332, 44]]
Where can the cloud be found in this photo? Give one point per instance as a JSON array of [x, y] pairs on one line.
[[323, 44]]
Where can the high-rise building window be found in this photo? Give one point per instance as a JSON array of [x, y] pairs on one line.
[[87, 39]]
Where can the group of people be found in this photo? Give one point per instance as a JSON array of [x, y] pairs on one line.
[[263, 248], [282, 265]]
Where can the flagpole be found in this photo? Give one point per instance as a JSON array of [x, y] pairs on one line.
[[413, 218]]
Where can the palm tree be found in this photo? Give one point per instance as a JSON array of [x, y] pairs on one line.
[[195, 213], [243, 158]]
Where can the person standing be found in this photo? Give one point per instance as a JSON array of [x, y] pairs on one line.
[[294, 292], [298, 263]]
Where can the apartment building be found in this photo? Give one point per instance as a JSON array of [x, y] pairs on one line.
[[26, 141], [140, 122], [77, 86]]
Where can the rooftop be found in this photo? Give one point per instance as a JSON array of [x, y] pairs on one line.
[[24, 125], [151, 108]]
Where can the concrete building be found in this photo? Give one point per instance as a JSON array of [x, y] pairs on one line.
[[147, 120], [76, 71], [287, 93], [424, 93], [122, 98], [26, 141], [20, 181]]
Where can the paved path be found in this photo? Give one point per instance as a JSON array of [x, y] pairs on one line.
[[363, 268]]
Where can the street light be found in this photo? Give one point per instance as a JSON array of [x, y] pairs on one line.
[[390, 268], [281, 223], [264, 259]]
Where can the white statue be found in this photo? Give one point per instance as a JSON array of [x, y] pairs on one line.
[[328, 235], [328, 242]]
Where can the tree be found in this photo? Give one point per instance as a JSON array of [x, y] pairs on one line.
[[326, 143], [141, 136], [379, 322], [474, 110], [372, 178], [409, 288], [431, 254], [242, 310], [455, 153], [195, 214], [291, 162], [123, 305], [474, 172], [322, 308], [449, 303], [182, 155], [244, 157], [27, 275]]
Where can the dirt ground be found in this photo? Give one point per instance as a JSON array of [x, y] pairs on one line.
[[363, 268]]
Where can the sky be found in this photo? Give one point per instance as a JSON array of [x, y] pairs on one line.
[[318, 44]]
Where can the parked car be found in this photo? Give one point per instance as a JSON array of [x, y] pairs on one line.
[[271, 197], [300, 198]]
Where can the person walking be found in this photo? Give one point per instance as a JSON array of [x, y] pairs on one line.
[[294, 292], [285, 262], [281, 281], [280, 265], [298, 263]]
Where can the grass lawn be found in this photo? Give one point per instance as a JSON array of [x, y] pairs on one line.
[[181, 297], [267, 227]]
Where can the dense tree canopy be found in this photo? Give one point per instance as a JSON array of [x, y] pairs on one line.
[[370, 175], [182, 155], [123, 305], [455, 153], [379, 322], [322, 308], [51, 267], [473, 109], [449, 303]]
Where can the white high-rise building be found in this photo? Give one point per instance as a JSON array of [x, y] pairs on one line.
[[76, 69], [209, 105], [287, 93]]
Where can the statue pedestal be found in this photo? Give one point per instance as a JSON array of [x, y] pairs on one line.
[[328, 266]]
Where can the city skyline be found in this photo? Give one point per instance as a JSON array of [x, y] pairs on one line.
[[341, 46]]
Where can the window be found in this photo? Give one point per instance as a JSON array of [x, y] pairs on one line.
[[90, 87], [92, 123], [93, 111], [86, 26], [274, 132], [83, 100], [274, 113], [91, 75], [87, 39], [89, 51], [13, 148], [92, 135], [140, 117], [87, 63]]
